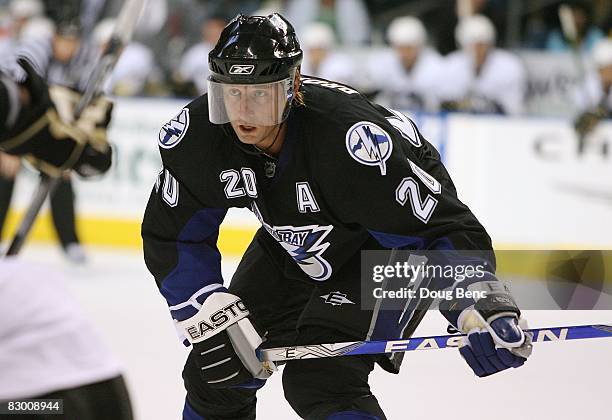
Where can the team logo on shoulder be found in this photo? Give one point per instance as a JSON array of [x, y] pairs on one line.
[[242, 69], [174, 130], [369, 144]]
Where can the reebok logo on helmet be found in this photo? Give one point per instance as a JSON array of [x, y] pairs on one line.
[[242, 69]]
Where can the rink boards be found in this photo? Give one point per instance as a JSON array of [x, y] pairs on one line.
[[524, 178]]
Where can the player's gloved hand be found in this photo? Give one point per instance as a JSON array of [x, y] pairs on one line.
[[95, 158], [587, 121], [224, 343], [51, 143], [495, 341]]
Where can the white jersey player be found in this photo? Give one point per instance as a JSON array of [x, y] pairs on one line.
[[193, 66], [484, 78], [594, 97], [321, 60], [597, 89], [410, 76], [135, 67], [49, 350]]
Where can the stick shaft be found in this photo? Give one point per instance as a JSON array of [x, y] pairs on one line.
[[577, 332]]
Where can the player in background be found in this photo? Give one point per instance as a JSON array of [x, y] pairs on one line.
[[594, 97], [135, 67], [328, 174], [320, 58], [63, 61], [411, 75], [193, 66], [484, 79], [49, 349]]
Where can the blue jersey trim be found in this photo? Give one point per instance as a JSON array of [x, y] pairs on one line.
[[199, 260]]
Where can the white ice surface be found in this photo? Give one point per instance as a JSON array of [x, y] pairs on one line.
[[569, 380]]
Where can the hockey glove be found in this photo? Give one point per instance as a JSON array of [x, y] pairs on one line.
[[51, 143], [93, 121], [224, 343], [495, 341], [586, 122]]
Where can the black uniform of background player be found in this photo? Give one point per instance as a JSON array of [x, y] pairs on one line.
[[351, 175]]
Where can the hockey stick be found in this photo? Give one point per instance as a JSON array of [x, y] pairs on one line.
[[122, 33], [315, 351]]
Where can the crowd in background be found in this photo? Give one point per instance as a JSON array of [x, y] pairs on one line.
[[440, 55], [398, 52]]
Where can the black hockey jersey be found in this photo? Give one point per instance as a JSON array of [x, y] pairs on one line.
[[349, 171]]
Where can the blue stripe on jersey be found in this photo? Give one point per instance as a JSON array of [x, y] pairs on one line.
[[199, 260], [189, 413], [393, 241]]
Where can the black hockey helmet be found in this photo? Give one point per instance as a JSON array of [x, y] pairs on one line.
[[255, 49], [252, 71]]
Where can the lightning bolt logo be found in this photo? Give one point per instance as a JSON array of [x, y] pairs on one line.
[[369, 145], [174, 130], [305, 244]]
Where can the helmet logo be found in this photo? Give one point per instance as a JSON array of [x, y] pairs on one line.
[[242, 69]]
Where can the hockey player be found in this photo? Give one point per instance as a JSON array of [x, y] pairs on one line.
[[49, 350], [328, 174], [31, 119], [31, 127], [63, 60], [594, 98], [484, 79], [409, 77], [320, 58]]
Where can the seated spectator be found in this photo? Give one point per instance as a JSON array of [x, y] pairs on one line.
[[193, 67], [594, 98], [409, 76], [319, 58], [587, 34], [482, 78], [135, 68]]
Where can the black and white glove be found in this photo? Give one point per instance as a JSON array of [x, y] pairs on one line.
[[53, 142], [95, 158], [224, 343], [586, 122], [495, 341]]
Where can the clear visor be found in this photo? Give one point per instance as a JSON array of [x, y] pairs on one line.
[[264, 104]]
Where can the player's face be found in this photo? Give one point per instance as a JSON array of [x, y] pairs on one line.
[[252, 110], [65, 47], [480, 51], [255, 111], [252, 105], [407, 54]]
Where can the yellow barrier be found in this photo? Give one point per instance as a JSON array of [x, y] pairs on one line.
[[120, 233], [233, 241]]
